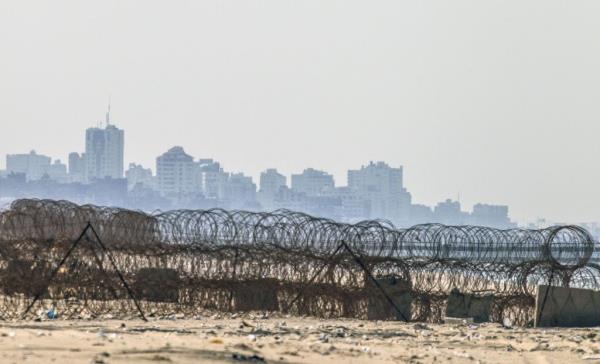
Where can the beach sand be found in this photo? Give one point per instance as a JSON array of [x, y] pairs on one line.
[[248, 338]]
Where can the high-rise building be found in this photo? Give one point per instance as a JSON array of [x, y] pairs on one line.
[[76, 163], [286, 198], [449, 213], [240, 191], [312, 182], [176, 174], [104, 151], [211, 179], [34, 166], [490, 215], [76, 167], [351, 207], [137, 175], [420, 214], [383, 187], [57, 171], [271, 182]]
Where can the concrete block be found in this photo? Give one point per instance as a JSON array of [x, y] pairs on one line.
[[157, 284], [26, 276], [256, 295], [379, 308], [461, 305], [567, 307]]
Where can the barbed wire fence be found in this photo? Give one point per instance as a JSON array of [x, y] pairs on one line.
[[184, 261]]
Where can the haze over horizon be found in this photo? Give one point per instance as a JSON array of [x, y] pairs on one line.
[[495, 101]]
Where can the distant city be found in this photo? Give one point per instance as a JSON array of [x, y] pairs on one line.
[[97, 176]]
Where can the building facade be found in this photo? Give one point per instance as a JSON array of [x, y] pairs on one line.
[[57, 171], [211, 179], [270, 183], [137, 175], [351, 207], [490, 215], [175, 174], [104, 153], [449, 213], [240, 192], [76, 167], [382, 186], [34, 166], [312, 182]]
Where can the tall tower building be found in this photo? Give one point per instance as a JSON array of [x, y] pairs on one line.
[[104, 151], [383, 187], [175, 174], [211, 178], [271, 182]]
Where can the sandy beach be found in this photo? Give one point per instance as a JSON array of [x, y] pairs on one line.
[[266, 339]]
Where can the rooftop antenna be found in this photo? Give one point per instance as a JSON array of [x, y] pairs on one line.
[[108, 113]]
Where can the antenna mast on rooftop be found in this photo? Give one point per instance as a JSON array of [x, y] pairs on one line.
[[108, 113]]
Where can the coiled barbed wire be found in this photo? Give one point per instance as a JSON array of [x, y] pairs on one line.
[[261, 260]]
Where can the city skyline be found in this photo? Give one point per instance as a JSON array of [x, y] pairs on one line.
[[97, 176], [180, 177], [100, 126], [472, 99]]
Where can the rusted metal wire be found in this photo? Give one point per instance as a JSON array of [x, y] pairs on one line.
[[187, 260]]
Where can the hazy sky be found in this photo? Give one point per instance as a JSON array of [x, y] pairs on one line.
[[498, 101]]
